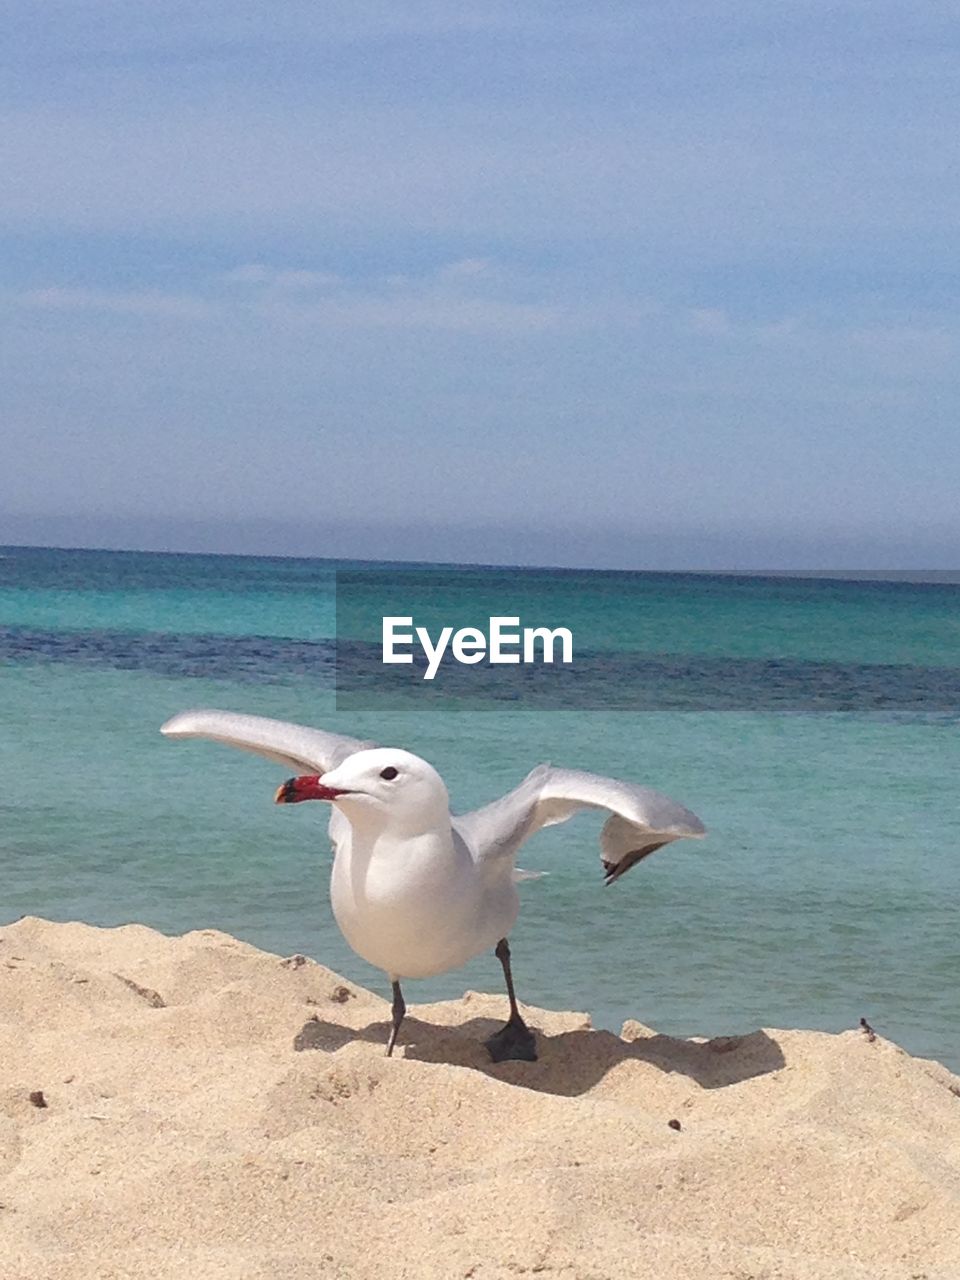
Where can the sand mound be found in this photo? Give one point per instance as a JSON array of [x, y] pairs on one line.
[[193, 1107]]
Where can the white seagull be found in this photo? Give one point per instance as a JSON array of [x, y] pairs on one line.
[[415, 890]]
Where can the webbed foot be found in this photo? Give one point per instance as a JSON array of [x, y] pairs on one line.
[[514, 1042]]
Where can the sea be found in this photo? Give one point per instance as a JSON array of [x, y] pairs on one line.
[[812, 722]]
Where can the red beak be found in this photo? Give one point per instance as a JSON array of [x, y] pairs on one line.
[[308, 787]]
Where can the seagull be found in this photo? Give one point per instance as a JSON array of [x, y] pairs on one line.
[[414, 890]]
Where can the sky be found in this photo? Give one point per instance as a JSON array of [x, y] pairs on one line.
[[648, 285]]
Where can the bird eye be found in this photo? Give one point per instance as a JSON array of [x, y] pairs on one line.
[[389, 773]]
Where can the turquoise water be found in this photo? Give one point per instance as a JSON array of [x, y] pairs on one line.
[[814, 725]]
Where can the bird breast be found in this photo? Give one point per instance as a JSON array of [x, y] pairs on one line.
[[412, 907]]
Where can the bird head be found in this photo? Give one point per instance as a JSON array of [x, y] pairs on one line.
[[384, 786]]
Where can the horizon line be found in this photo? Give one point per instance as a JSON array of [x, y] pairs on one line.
[[931, 576]]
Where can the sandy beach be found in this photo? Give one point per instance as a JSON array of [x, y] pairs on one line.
[[194, 1107]]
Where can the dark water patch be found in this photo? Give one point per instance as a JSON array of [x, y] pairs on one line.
[[606, 681], [245, 659], [595, 681]]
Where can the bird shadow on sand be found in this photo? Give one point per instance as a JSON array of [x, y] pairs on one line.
[[570, 1063]]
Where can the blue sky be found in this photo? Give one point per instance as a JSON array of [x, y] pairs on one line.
[[643, 285]]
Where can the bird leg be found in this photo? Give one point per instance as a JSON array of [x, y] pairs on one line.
[[399, 1009], [514, 1041]]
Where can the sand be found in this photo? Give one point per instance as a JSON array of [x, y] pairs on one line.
[[194, 1107]]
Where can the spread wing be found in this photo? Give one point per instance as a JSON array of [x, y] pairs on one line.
[[640, 820], [292, 745]]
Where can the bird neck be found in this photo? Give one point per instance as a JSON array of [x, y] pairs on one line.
[[374, 823]]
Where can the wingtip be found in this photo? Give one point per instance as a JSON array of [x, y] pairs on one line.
[[176, 726], [692, 828]]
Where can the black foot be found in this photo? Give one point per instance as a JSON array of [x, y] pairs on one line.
[[514, 1042]]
